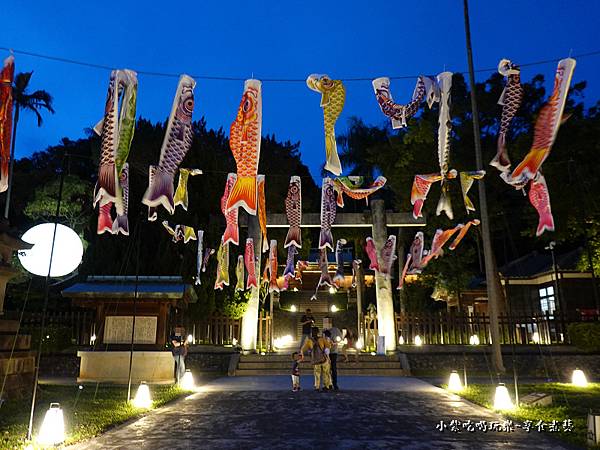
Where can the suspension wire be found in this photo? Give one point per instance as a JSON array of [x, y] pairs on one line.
[[152, 73]]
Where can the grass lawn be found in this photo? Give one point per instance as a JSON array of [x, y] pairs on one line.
[[86, 412], [569, 402]]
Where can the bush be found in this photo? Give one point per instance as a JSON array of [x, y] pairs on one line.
[[235, 306], [56, 338], [585, 336]]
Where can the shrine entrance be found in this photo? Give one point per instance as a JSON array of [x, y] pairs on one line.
[[344, 305]]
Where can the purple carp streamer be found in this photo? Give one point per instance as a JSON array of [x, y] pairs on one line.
[[352, 186], [388, 256], [152, 210], [272, 266], [293, 211], [181, 193], [180, 232], [338, 278], [177, 142], [325, 278], [511, 99], [400, 114], [222, 266], [466, 182], [200, 234], [355, 267], [207, 254], [333, 97], [328, 213], [290, 264]]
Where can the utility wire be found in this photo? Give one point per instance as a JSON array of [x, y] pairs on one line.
[[268, 80]]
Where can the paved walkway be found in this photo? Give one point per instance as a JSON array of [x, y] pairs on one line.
[[262, 412]]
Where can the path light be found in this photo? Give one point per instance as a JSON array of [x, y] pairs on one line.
[[52, 431], [418, 341], [401, 340], [234, 342], [454, 383], [535, 338], [332, 290], [68, 250], [333, 308], [93, 339], [187, 381], [142, 397], [373, 354], [190, 339], [359, 344], [293, 308], [502, 399], [474, 340], [295, 289], [579, 379]]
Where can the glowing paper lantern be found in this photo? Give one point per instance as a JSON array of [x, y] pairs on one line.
[[68, 250], [502, 399], [454, 383], [334, 308], [52, 431], [579, 379], [474, 340], [187, 381], [293, 308], [418, 340], [142, 397]]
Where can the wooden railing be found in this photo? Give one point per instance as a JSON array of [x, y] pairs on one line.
[[457, 328], [265, 332], [221, 330]]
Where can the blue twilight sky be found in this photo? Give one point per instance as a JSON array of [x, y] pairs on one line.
[[278, 39]]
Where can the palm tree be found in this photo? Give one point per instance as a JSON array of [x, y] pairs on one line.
[[23, 100]]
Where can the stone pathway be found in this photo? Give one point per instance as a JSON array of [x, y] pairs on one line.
[[262, 412]]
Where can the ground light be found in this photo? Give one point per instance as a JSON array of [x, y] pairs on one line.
[[333, 308], [359, 344], [535, 338], [293, 308], [502, 399], [579, 379], [142, 397], [283, 341], [52, 431], [401, 340], [190, 339], [474, 340], [454, 383], [332, 290], [418, 341], [187, 381]]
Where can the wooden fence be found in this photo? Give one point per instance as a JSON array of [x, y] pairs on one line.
[[457, 328], [78, 323], [221, 330]]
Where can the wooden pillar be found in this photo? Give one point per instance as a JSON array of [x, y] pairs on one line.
[[383, 286], [250, 318]]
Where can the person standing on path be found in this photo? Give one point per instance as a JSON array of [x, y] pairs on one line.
[[335, 336], [307, 321], [179, 351], [320, 348]]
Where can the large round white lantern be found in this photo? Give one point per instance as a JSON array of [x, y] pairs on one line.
[[68, 250]]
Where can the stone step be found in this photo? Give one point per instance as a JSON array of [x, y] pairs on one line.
[[309, 371], [9, 326], [275, 357], [287, 365]]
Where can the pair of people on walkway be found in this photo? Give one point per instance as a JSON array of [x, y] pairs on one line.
[[324, 352]]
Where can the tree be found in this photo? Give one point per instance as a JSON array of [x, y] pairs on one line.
[[24, 100]]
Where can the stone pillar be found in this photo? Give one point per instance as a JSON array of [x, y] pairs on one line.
[[385, 302], [360, 289], [250, 318], [401, 252]]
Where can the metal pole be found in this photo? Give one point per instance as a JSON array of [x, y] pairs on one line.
[[46, 297], [490, 266], [135, 294]]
